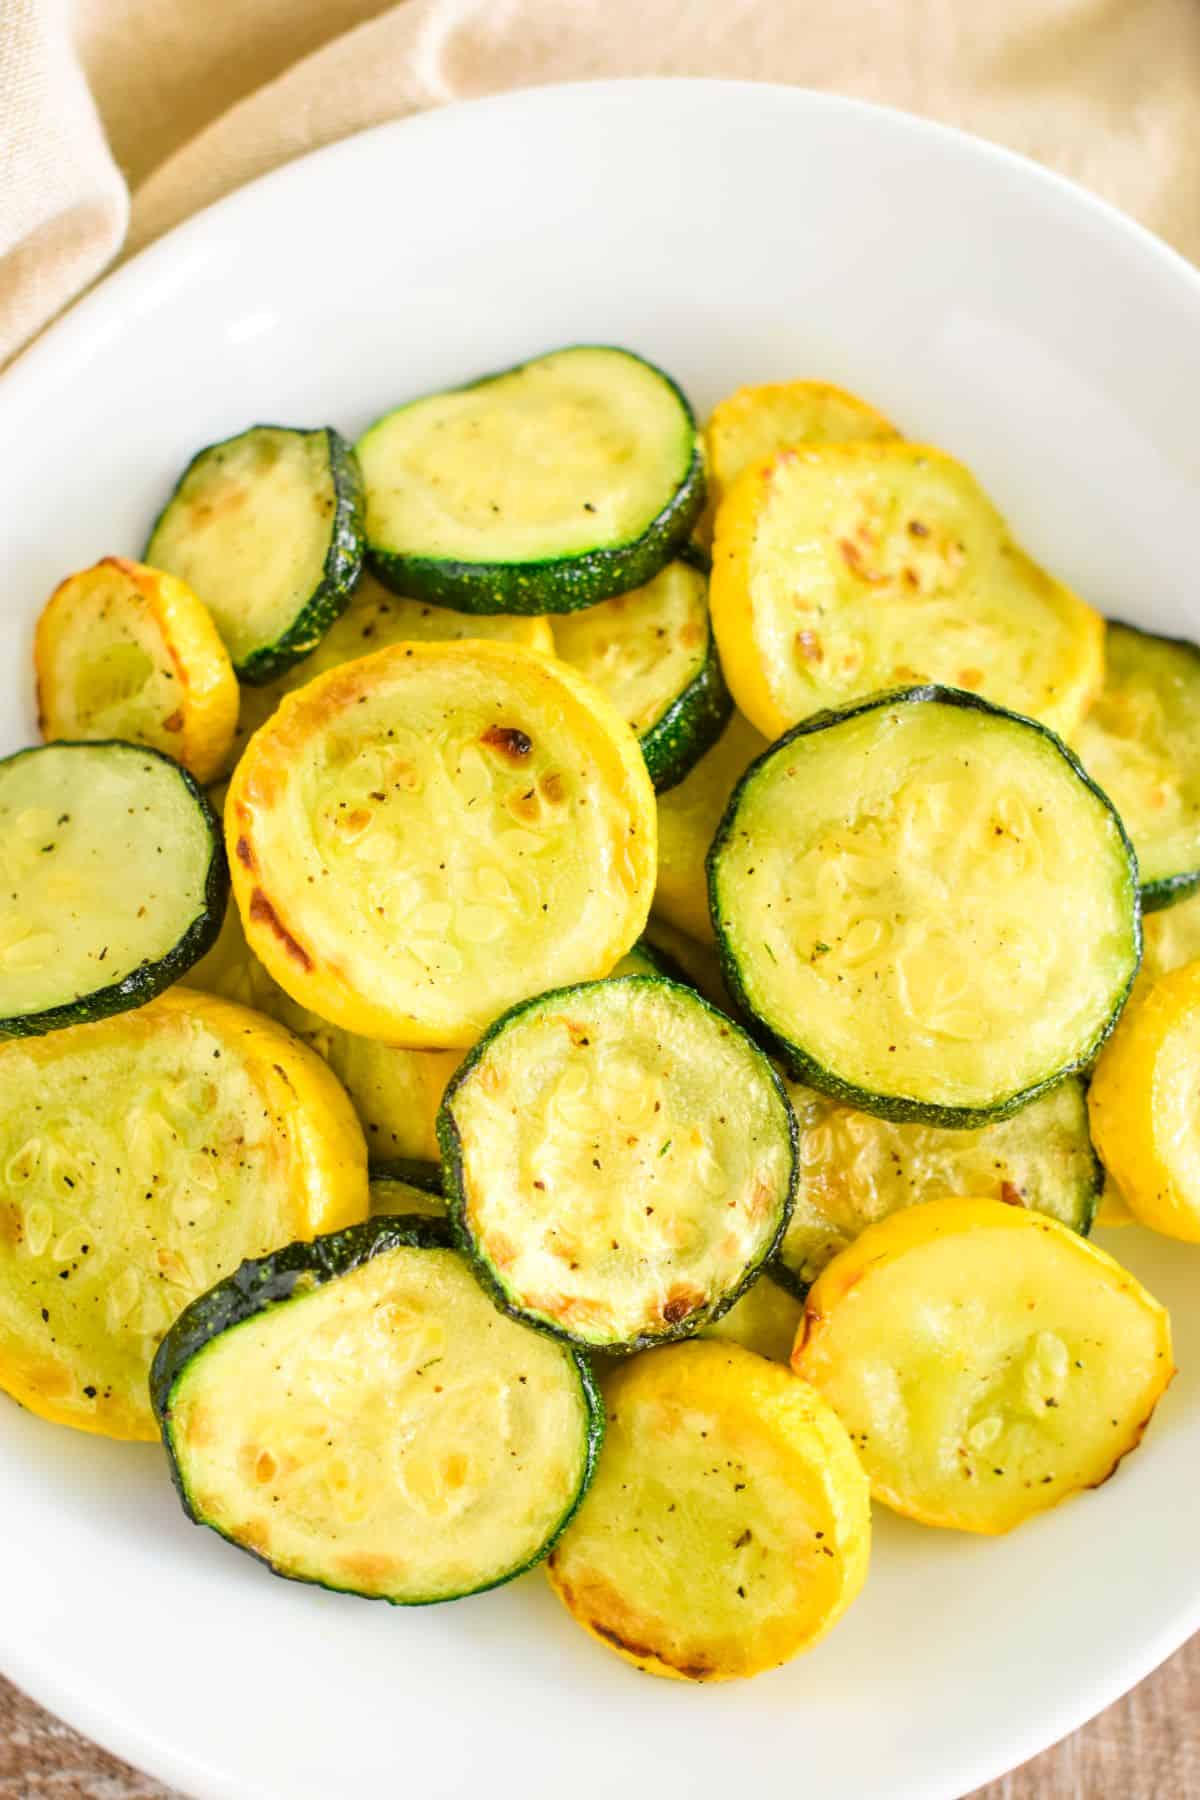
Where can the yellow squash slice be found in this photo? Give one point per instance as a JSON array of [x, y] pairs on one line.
[[986, 1361], [395, 1092], [728, 1526], [126, 651], [144, 1157], [841, 570], [374, 619], [856, 1169], [426, 835], [777, 415], [1145, 1104], [688, 816]]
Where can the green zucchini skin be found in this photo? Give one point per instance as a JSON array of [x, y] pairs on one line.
[[424, 1175], [343, 560], [799, 1065], [148, 978], [555, 584], [1167, 889], [270, 1281], [453, 1185], [690, 726]]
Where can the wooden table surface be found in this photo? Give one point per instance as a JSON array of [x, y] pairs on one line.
[[1146, 1747]]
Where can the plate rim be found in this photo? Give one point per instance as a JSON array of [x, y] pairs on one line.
[[78, 333]]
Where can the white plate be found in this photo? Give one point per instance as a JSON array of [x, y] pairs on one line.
[[733, 233]]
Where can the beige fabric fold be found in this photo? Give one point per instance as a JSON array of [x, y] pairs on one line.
[[198, 96]]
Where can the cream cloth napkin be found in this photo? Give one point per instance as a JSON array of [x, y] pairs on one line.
[[198, 96]]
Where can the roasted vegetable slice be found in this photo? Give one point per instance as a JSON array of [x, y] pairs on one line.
[[688, 817], [1143, 1104], [355, 1413], [1141, 742], [986, 1361], [547, 487], [124, 651], [856, 1169], [619, 1161], [430, 833], [728, 1527], [765, 1320], [396, 1092], [114, 882], [374, 619], [1172, 938], [267, 528], [395, 1195], [652, 652], [929, 906], [843, 569], [144, 1156], [777, 415]]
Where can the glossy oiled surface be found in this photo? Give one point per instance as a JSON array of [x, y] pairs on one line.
[[217, 326], [390, 1432], [625, 1158], [424, 836], [904, 892], [144, 1157]]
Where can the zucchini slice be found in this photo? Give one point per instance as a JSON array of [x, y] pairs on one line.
[[729, 1525], [765, 1320], [842, 569], [395, 1195], [424, 836], [1172, 937], [547, 487], [929, 906], [143, 1157], [652, 652], [1141, 742], [619, 1161], [1143, 1109], [395, 1092], [688, 817], [124, 651], [856, 1169], [986, 1361], [374, 619], [356, 1414], [114, 882], [777, 415], [267, 528]]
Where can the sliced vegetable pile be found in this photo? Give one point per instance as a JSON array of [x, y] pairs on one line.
[[609, 1125]]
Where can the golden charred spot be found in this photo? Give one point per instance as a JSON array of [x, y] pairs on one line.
[[679, 1303], [693, 1671], [262, 912], [692, 634], [808, 646], [12, 1228], [245, 854], [257, 1534], [53, 1380], [1011, 1195], [508, 741], [218, 505], [174, 721], [524, 805], [201, 1428], [368, 1567], [577, 1033], [970, 678], [552, 788], [917, 529]]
